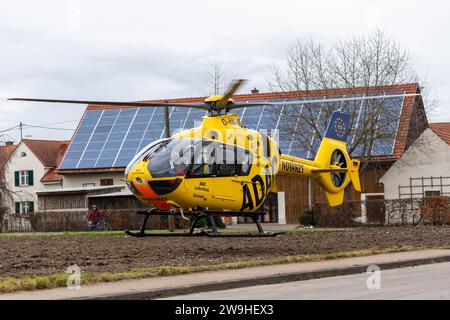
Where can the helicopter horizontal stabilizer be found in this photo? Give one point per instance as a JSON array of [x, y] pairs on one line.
[[329, 170], [334, 199]]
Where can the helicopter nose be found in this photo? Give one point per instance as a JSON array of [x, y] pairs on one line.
[[138, 179], [142, 189]]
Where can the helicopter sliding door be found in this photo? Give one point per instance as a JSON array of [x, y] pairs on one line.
[[214, 172]]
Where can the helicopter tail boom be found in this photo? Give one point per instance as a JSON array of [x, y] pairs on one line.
[[332, 167]]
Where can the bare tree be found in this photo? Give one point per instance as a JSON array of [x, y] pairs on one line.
[[216, 77], [371, 62]]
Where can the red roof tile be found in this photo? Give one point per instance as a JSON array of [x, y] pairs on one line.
[[6, 153], [442, 129], [50, 153]]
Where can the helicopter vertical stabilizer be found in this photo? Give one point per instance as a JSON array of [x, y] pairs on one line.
[[336, 169]]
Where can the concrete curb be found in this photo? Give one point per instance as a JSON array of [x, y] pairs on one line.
[[264, 280]]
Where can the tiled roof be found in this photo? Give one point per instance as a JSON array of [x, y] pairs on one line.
[[402, 133], [50, 153], [442, 129], [51, 176], [6, 153]]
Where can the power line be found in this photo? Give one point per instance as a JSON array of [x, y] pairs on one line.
[[12, 128], [61, 122], [49, 128], [44, 126]]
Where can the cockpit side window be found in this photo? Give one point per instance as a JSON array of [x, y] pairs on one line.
[[203, 160], [244, 161], [221, 160], [266, 145]]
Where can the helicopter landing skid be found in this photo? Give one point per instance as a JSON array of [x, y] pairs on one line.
[[193, 233]]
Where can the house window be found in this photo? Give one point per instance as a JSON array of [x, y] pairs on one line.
[[24, 207], [432, 193], [106, 182], [24, 178], [87, 185]]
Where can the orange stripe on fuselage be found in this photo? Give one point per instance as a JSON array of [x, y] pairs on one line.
[[147, 192]]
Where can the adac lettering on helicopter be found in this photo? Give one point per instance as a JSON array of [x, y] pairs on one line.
[[199, 196], [258, 190], [201, 187], [288, 166]]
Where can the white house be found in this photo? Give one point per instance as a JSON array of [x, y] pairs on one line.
[[31, 168], [423, 170], [93, 179], [419, 171]]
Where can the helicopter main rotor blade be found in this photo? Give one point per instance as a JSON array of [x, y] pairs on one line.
[[238, 104], [118, 103], [222, 103]]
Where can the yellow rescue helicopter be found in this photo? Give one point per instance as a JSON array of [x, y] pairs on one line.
[[224, 169]]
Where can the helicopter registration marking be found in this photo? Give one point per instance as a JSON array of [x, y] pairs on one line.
[[291, 167], [229, 121]]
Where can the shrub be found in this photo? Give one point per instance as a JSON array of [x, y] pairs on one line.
[[306, 217], [435, 210], [342, 216]]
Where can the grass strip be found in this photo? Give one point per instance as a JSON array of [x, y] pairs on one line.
[[57, 280]]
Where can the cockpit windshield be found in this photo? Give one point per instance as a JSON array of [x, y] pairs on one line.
[[142, 154]]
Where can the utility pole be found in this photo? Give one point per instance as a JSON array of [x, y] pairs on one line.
[[171, 219], [21, 131]]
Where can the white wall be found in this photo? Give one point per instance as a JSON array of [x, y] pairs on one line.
[[77, 180], [28, 162], [428, 156]]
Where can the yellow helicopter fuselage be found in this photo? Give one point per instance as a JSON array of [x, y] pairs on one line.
[[222, 166]]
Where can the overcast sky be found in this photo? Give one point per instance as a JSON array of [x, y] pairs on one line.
[[133, 50]]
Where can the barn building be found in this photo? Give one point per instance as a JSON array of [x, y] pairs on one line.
[[108, 137]]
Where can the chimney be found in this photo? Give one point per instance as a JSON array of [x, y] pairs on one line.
[[254, 90], [9, 143]]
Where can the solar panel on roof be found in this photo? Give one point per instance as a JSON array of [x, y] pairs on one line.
[[111, 137]]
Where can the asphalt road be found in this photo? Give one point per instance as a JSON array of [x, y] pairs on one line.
[[422, 282]]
